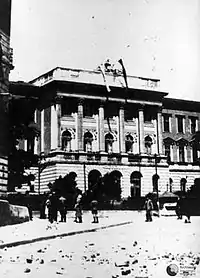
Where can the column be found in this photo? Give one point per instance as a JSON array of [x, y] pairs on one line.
[[80, 125], [58, 110], [121, 129], [141, 130], [54, 127], [159, 132], [35, 139], [42, 132], [101, 129]]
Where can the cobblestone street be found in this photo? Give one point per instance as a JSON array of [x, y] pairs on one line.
[[138, 249]]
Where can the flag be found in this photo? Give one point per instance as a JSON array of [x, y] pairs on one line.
[[104, 78], [108, 90], [124, 72]]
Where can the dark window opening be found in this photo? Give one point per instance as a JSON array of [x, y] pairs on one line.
[[166, 120], [180, 124]]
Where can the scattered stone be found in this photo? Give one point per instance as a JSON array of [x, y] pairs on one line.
[[121, 264], [58, 272], [135, 262], [135, 243], [97, 254], [53, 261], [40, 251], [93, 256], [41, 261], [60, 251], [197, 261], [91, 244], [166, 256], [126, 272], [29, 261], [27, 270]]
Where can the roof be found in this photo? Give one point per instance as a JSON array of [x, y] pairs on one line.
[[20, 88], [180, 104]]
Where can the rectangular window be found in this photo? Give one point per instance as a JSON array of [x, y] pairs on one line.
[[167, 152], [180, 124], [166, 122], [193, 122], [181, 154]]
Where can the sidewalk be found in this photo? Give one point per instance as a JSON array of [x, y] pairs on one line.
[[41, 229]]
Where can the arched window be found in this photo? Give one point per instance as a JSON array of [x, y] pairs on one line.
[[182, 143], [135, 180], [129, 143], [66, 140], [88, 138], [168, 142], [109, 143], [148, 143]]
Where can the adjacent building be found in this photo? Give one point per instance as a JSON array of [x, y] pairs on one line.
[[5, 67], [92, 125]]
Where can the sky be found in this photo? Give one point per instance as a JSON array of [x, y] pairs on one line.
[[155, 38]]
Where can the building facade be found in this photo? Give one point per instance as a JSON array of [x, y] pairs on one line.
[[94, 126], [5, 67]]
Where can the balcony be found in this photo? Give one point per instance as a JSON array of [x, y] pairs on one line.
[[134, 157], [114, 157]]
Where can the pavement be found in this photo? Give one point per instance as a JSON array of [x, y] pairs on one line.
[[40, 229]]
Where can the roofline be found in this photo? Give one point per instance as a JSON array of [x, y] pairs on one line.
[[182, 100], [91, 71]]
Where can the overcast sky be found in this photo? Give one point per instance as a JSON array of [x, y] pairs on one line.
[[155, 38]]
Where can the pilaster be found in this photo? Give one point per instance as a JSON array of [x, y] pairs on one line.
[[101, 128], [80, 125], [141, 129]]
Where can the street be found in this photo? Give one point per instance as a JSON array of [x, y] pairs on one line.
[[138, 249]]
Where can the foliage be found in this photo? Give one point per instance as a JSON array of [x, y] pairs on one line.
[[21, 127], [66, 187]]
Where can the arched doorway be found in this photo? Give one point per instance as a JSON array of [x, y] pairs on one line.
[[155, 179], [183, 185], [94, 178], [112, 185], [135, 180]]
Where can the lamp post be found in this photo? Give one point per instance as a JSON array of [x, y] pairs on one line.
[[156, 182], [156, 174]]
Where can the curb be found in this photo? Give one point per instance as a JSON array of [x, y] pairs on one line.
[[28, 241]]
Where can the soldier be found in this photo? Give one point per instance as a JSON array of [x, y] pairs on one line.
[[62, 208], [94, 211], [178, 208], [149, 208], [78, 209]]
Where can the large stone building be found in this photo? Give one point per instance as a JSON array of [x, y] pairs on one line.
[[5, 67], [95, 126]]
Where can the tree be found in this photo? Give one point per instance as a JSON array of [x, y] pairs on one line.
[[21, 127]]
